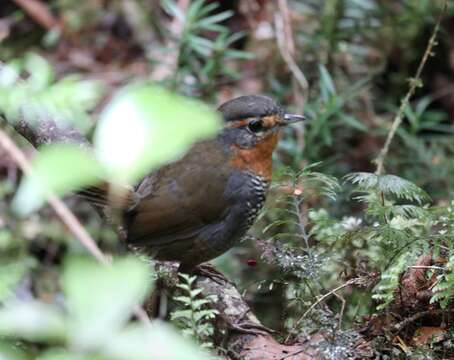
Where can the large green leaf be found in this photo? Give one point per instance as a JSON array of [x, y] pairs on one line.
[[160, 342], [64, 354], [101, 298], [146, 126], [11, 272], [32, 320], [28, 90], [58, 168], [11, 351]]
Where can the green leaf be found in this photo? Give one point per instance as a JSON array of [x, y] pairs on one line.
[[101, 298], [57, 168], [195, 292], [183, 299], [389, 185], [146, 126], [32, 320], [11, 351], [328, 88], [11, 272], [181, 314], [214, 19], [36, 95], [160, 342], [9, 74], [352, 121], [41, 73], [63, 354], [171, 7]]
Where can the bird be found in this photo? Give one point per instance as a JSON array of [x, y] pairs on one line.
[[198, 207]]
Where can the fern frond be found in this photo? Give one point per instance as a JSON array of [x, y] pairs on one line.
[[410, 211], [194, 315], [389, 185], [325, 185]]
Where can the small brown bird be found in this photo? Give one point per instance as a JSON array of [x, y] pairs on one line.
[[198, 207]]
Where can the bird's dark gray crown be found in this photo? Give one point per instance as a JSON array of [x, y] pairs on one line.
[[249, 106]]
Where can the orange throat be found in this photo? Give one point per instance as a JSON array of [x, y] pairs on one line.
[[257, 159]]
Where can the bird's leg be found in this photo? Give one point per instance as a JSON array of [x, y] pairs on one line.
[[209, 271]]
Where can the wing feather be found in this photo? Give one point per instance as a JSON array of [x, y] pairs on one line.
[[180, 200]]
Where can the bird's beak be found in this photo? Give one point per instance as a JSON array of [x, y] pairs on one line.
[[292, 118]]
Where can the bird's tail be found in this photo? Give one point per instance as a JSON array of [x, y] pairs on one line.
[[105, 194]]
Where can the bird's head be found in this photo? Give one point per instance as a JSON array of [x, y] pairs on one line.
[[252, 127], [252, 119]]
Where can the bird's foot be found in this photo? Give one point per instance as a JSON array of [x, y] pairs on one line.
[[252, 328], [209, 271]]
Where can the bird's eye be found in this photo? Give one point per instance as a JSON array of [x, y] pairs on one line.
[[255, 126]]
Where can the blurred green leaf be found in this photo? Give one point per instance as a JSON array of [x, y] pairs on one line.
[[146, 126], [160, 342], [9, 74], [389, 185], [32, 320], [64, 354], [11, 351], [100, 298], [57, 168], [41, 72], [11, 272], [327, 86], [28, 90]]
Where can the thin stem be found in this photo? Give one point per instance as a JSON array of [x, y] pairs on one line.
[[63, 212], [427, 267], [382, 197], [340, 287], [286, 45], [414, 83], [301, 224]]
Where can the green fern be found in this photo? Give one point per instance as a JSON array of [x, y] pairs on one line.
[[444, 288], [194, 317], [394, 232], [322, 184], [384, 291], [201, 56], [389, 185]]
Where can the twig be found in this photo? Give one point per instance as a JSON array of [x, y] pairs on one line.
[[399, 326], [427, 267], [322, 298], [63, 212], [60, 208], [414, 83], [342, 310], [284, 36], [39, 12]]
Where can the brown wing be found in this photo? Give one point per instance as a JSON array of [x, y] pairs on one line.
[[102, 195], [180, 199]]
